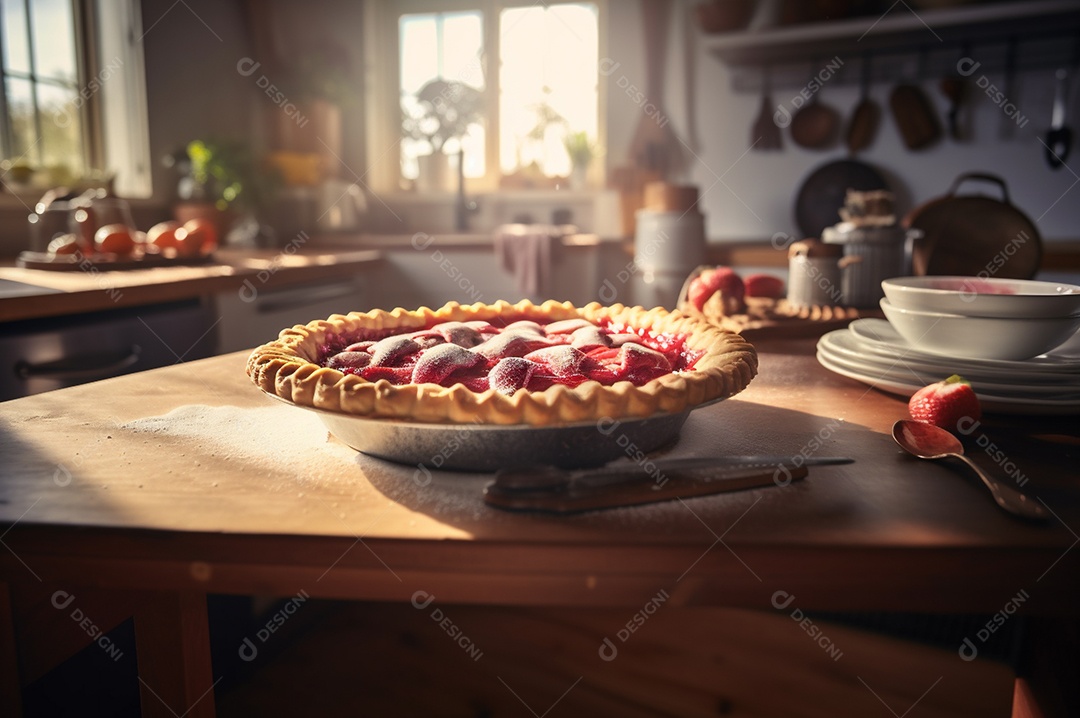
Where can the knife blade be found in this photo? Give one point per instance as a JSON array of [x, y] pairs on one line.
[[589, 496], [550, 478]]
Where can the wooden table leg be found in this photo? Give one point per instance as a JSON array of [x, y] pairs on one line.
[[1047, 687], [10, 685], [172, 639]]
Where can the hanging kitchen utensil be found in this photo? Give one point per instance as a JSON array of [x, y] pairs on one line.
[[815, 125], [914, 115], [765, 135], [954, 88], [867, 114], [1059, 137], [1008, 121], [972, 234], [822, 193], [654, 147]]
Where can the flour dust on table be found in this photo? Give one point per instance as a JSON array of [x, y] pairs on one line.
[[273, 437]]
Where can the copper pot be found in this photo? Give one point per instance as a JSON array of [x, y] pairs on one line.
[[974, 235]]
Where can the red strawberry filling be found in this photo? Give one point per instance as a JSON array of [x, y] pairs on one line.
[[525, 354], [440, 361]]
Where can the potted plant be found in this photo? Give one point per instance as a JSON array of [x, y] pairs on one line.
[[581, 150], [443, 111], [219, 179]]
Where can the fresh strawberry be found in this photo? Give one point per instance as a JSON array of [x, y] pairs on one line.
[[723, 280], [764, 285], [945, 403]]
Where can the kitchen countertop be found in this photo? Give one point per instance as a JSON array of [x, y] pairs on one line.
[[74, 292], [325, 257], [452, 240], [886, 533], [139, 495]]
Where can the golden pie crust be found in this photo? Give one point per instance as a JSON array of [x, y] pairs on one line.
[[287, 368]]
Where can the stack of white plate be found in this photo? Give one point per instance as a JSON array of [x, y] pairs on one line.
[[871, 351]]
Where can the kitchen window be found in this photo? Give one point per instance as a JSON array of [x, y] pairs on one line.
[[43, 123], [72, 97], [525, 74]]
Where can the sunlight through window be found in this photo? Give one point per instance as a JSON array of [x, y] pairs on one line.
[[42, 122], [545, 87], [546, 90], [447, 47]]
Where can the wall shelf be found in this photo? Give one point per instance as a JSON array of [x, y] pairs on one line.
[[1045, 33]]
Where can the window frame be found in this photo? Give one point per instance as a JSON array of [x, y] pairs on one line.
[[124, 98], [82, 47], [384, 71]]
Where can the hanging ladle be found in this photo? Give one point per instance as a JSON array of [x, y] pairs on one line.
[[867, 114]]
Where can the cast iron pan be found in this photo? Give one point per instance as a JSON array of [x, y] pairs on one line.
[[974, 234], [822, 193]]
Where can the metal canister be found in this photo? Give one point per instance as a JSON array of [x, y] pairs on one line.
[[667, 247], [813, 274], [871, 254]]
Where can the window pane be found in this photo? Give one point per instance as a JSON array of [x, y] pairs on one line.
[[54, 40], [447, 47], [16, 48], [463, 41], [21, 118], [547, 84], [419, 52], [61, 128]]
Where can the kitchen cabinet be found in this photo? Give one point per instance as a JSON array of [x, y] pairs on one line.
[[254, 314], [1043, 33], [39, 355]]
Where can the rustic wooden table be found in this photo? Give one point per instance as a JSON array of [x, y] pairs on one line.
[[140, 495]]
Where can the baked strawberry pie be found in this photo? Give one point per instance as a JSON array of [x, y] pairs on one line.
[[505, 364]]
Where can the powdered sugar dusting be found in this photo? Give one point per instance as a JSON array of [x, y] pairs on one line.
[[562, 360]]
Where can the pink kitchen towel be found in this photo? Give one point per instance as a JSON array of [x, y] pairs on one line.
[[527, 251]]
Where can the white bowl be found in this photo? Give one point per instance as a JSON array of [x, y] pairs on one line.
[[978, 297], [953, 335]]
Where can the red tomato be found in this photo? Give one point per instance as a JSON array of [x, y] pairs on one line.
[[188, 244], [115, 239], [202, 234], [163, 235]]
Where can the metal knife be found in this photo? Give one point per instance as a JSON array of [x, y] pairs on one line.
[[550, 478]]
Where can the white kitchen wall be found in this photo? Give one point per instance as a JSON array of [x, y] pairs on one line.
[[759, 197]]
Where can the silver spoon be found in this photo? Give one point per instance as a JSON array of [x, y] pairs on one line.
[[927, 441]]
